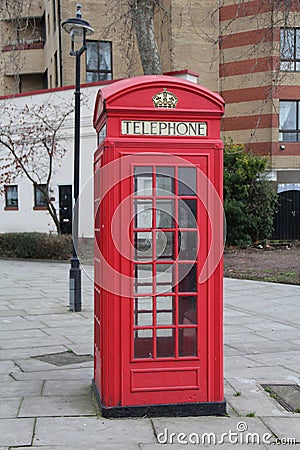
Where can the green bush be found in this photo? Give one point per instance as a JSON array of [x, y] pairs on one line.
[[35, 246], [249, 198]]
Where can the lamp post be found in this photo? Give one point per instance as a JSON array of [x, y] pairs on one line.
[[78, 30]]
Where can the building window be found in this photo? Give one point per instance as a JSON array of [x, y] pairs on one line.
[[98, 61], [11, 197], [289, 121], [290, 49], [39, 197]]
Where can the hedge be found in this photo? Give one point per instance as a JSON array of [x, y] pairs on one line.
[[35, 246]]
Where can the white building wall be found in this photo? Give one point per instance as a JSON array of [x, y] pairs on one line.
[[28, 219]]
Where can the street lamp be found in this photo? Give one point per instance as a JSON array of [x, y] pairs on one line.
[[78, 29]]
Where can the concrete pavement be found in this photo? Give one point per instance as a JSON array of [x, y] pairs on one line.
[[47, 406]]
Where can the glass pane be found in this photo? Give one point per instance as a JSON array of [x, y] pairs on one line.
[[297, 43], [165, 214], [143, 181], [164, 278], [287, 43], [287, 65], [104, 76], [165, 342], [143, 278], [164, 302], [164, 318], [164, 311], [143, 304], [143, 214], [288, 137], [187, 312], [187, 278], [92, 77], [287, 116], [39, 196], [187, 342], [187, 213], [165, 245], [164, 180], [92, 56], [143, 311], [143, 319], [143, 245], [187, 245], [105, 56], [143, 343], [187, 181], [11, 193]]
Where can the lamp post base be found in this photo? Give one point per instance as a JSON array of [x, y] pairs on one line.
[[75, 285]]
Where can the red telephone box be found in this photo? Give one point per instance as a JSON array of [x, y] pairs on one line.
[[158, 249]]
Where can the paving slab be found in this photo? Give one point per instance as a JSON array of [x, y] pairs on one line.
[[21, 334], [233, 361], [251, 398], [282, 357], [35, 342], [6, 366], [83, 349], [13, 388], [209, 430], [269, 326], [24, 352], [34, 365], [90, 432], [284, 427], [9, 408], [56, 374], [264, 374], [16, 432], [58, 406], [263, 346], [10, 314], [72, 387]]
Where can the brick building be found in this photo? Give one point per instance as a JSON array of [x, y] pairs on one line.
[[248, 51]]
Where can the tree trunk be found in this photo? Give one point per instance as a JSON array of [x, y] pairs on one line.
[[143, 19], [53, 213]]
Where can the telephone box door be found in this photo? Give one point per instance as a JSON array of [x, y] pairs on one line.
[[167, 330]]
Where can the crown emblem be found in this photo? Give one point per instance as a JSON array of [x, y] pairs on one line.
[[164, 99]]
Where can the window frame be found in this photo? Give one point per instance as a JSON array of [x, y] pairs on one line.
[[294, 61], [99, 71], [10, 207], [296, 131]]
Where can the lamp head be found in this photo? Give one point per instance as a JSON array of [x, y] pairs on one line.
[[77, 28]]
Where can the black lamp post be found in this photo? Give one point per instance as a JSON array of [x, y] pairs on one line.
[[78, 30]]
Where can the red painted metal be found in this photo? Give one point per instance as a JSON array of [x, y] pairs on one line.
[[158, 342]]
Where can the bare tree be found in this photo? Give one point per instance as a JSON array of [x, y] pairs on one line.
[[32, 145], [134, 22], [143, 12]]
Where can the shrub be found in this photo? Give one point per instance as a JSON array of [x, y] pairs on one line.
[[249, 198], [35, 246]]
